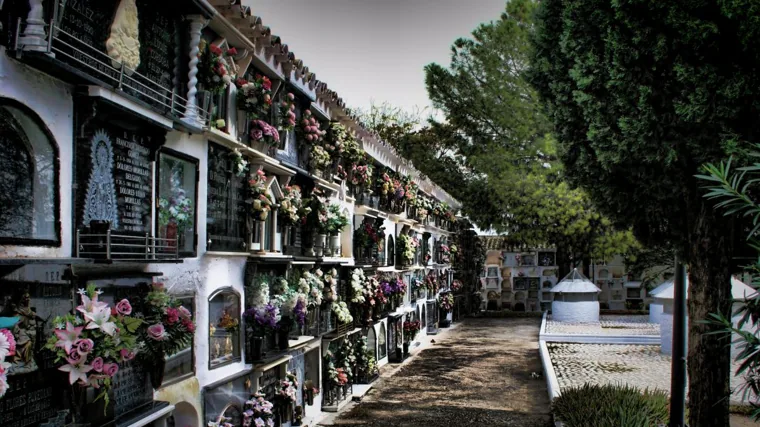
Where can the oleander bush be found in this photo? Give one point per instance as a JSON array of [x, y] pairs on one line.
[[611, 406]]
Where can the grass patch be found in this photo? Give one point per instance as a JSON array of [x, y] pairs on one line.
[[623, 405]]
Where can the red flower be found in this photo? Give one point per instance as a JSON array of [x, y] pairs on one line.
[[189, 325], [172, 315], [241, 81], [231, 51], [215, 49], [266, 83]]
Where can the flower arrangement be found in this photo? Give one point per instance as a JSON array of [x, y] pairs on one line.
[[357, 286], [446, 301], [7, 348], [386, 187], [366, 364], [406, 246], [316, 287], [411, 328], [339, 138], [410, 190], [240, 164], [423, 205], [316, 219], [336, 220], [222, 421], [372, 292], [393, 288], [445, 253], [95, 340], [262, 131], [263, 319], [430, 283], [291, 301], [319, 158], [341, 173], [259, 199], [353, 153], [331, 285], [285, 396], [292, 209], [377, 285], [254, 97], [337, 375], [341, 312], [177, 209], [257, 412], [361, 176], [228, 322], [288, 112], [310, 128], [345, 358], [168, 325], [456, 285], [214, 67]]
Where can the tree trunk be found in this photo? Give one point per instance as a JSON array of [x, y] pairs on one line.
[[710, 250]]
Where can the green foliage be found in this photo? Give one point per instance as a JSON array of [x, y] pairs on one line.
[[336, 220], [611, 406]]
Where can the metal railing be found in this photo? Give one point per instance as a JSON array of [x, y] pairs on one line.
[[87, 59], [121, 247]]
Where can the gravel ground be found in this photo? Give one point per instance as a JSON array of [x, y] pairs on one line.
[[607, 325], [477, 374]]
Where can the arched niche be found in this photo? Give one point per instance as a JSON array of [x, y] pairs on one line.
[[391, 246], [224, 327], [382, 346], [28, 178], [372, 342]]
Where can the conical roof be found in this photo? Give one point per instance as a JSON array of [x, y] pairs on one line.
[[662, 286], [739, 290], [575, 283]]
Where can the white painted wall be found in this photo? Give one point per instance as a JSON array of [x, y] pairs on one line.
[[575, 311], [53, 104], [655, 311]]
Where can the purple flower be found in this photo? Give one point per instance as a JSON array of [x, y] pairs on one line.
[[300, 311]]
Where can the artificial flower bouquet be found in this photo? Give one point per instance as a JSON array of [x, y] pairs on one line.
[[285, 396], [445, 253], [319, 158], [456, 286], [262, 131], [169, 326], [446, 301], [316, 287], [240, 164], [336, 220], [214, 70], [361, 176], [337, 375], [7, 348], [259, 199], [255, 96], [258, 412], [292, 210], [342, 312], [177, 209], [91, 344], [263, 319], [288, 112], [357, 286], [411, 329], [310, 128], [331, 285], [407, 247]]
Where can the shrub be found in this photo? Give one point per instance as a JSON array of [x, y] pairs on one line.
[[623, 406]]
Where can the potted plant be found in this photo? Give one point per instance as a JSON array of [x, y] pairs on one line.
[[336, 222], [91, 344], [163, 312]]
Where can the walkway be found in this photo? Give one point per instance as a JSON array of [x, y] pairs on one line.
[[478, 373]]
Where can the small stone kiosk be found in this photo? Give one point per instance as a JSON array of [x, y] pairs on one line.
[[664, 297], [655, 308], [576, 299]]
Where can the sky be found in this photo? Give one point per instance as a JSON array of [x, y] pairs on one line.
[[374, 50]]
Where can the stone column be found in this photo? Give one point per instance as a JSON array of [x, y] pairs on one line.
[[274, 230], [191, 107], [33, 37]]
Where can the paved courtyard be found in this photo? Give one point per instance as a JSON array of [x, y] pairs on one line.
[[476, 374], [607, 325], [642, 366]]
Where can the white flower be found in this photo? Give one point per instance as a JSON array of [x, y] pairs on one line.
[[3, 384]]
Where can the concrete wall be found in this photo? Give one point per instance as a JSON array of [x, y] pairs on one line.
[[575, 311], [655, 310]]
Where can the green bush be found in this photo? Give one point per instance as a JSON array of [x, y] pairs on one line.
[[611, 406]]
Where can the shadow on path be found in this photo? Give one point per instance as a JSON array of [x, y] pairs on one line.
[[478, 374]]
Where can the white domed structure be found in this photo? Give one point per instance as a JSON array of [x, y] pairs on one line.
[[739, 292], [576, 299]]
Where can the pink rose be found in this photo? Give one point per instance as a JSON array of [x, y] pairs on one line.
[[124, 307], [97, 364], [127, 355], [291, 96], [190, 326], [184, 313], [157, 332], [84, 346], [110, 369], [291, 122], [172, 315], [75, 357]]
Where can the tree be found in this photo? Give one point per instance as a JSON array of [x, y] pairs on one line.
[[641, 94]]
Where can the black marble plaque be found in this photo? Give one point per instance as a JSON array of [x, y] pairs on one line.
[[84, 26], [226, 219], [30, 400], [269, 381], [520, 283], [115, 179], [131, 388]]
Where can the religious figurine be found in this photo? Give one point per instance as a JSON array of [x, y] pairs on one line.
[[25, 332]]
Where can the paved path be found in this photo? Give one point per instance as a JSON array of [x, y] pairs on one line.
[[477, 374]]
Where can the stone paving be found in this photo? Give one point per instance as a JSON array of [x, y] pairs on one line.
[[479, 373], [642, 366], [607, 325]]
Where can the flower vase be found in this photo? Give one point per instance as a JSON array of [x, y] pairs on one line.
[[257, 348], [77, 403], [283, 332], [319, 244], [335, 244], [204, 104], [406, 349], [171, 236], [156, 371]]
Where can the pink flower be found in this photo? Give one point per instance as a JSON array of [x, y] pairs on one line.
[[127, 355], [110, 369], [97, 364], [76, 372], [190, 326], [66, 337], [124, 307], [256, 134], [84, 346], [184, 313], [291, 96], [172, 315], [157, 332], [75, 357], [96, 379], [7, 344]]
